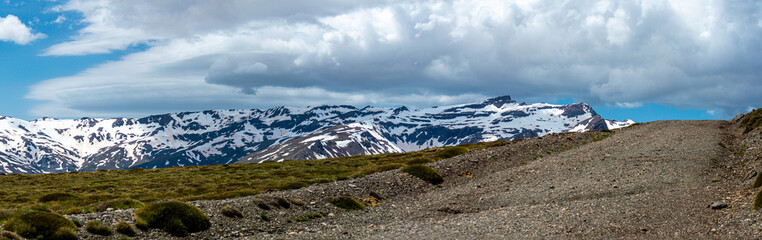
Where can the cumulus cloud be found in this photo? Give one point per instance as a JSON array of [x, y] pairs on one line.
[[687, 54], [13, 30]]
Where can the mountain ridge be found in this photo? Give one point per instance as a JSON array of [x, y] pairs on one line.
[[225, 136]]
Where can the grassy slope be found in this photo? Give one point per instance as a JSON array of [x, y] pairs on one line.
[[23, 192]]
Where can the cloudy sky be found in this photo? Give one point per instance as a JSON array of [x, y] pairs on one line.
[[644, 60]]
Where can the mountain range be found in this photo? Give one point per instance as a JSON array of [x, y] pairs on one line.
[[50, 145]]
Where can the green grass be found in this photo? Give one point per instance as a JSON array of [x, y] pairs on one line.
[[91, 191], [176, 218], [752, 120]]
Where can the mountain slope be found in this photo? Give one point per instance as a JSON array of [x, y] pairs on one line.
[[225, 136], [405, 130]]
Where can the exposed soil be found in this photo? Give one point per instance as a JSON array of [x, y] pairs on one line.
[[653, 180]]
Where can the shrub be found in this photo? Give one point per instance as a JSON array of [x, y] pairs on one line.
[[231, 212], [451, 152], [8, 235], [425, 173], [282, 202], [65, 234], [125, 228], [121, 203], [264, 217], [97, 227], [58, 197], [752, 120], [38, 224], [348, 203], [176, 218]]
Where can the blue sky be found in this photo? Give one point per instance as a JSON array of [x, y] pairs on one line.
[[643, 60]]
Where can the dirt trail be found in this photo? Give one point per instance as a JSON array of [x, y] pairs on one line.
[[651, 181]]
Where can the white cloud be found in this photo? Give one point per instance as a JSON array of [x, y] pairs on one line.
[[628, 104], [60, 19], [688, 54], [13, 30]]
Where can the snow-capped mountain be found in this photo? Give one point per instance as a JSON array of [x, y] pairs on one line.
[[225, 136]]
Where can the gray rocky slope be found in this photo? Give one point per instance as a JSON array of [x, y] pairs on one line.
[[650, 181]]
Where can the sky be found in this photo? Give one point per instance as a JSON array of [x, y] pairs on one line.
[[642, 60]]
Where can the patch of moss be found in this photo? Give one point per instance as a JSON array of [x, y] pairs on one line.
[[752, 120], [425, 173], [38, 224], [346, 202], [176, 218], [231, 212], [125, 228], [98, 228], [59, 197]]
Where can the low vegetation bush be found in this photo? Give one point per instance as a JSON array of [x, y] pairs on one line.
[[121, 203], [425, 173], [176, 218], [65, 234], [38, 225], [231, 212], [98, 228], [125, 228], [451, 152], [59, 196], [346, 202], [752, 120], [264, 217]]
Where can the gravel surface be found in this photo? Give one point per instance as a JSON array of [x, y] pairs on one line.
[[654, 180]]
